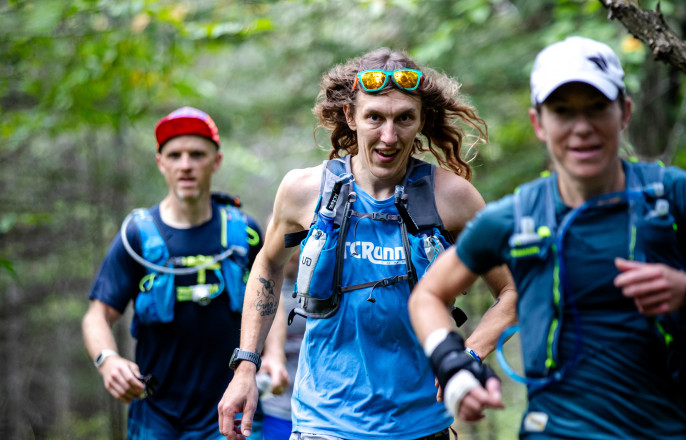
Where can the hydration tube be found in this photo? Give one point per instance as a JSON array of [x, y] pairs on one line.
[[532, 383], [504, 336], [537, 383], [173, 270]]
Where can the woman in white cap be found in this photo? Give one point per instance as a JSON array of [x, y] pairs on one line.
[[597, 253]]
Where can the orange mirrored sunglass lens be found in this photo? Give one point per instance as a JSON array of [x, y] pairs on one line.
[[406, 79], [373, 80]]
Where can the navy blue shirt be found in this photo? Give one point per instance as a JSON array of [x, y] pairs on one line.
[[190, 355], [619, 388]]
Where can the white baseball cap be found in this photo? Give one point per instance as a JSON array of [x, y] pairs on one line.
[[576, 59]]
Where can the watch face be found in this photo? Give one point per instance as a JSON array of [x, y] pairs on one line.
[[233, 362]]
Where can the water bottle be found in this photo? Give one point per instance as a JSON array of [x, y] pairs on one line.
[[264, 385], [314, 245]]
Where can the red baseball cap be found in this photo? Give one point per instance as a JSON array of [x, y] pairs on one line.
[[186, 121]]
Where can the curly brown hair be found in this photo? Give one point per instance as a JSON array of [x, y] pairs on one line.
[[441, 107]]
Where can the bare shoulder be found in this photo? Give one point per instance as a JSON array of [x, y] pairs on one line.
[[296, 198], [457, 200]]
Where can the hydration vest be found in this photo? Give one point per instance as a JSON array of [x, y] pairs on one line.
[[158, 291], [318, 285], [536, 247]]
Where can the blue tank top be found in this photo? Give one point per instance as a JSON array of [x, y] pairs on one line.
[[362, 373]]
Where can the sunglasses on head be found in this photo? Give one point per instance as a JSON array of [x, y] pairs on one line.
[[375, 79]]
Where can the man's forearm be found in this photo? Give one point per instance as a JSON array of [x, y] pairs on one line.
[[274, 344], [97, 330], [261, 303]]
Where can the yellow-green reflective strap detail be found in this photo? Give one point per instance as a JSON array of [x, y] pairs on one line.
[[550, 360], [543, 231], [185, 293], [198, 260], [668, 337], [675, 227], [224, 238], [516, 253], [149, 278], [253, 236], [545, 173], [632, 245]]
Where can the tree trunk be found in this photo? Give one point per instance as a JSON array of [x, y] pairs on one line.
[[17, 423], [660, 108]]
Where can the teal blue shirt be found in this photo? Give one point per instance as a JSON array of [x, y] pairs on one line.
[[619, 389]]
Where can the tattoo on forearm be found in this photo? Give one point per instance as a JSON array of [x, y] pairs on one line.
[[266, 302], [267, 287], [495, 303]]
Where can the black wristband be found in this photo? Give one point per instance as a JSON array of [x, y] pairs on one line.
[[449, 357]]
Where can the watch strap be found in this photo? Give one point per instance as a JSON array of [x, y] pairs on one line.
[[244, 355], [102, 356]]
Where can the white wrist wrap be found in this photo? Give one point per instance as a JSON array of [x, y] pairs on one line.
[[434, 339], [457, 387]]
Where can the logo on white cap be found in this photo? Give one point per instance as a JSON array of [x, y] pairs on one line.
[[576, 59]]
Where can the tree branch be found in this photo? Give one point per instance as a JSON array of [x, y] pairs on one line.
[[649, 27]]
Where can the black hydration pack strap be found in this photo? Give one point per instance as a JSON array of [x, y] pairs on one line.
[[381, 283], [411, 272], [411, 276], [340, 249], [293, 239], [381, 216], [400, 202]]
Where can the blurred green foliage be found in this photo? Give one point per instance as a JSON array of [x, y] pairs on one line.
[[83, 82]]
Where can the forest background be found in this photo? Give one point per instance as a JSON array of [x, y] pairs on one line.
[[83, 82]]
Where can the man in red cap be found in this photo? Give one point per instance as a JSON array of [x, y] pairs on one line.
[[181, 263]]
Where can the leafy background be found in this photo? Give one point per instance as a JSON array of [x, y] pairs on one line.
[[83, 82]]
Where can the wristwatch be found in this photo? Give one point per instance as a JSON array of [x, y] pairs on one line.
[[102, 356], [244, 355]]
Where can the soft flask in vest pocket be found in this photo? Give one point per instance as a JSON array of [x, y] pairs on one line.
[[532, 252], [656, 239], [317, 263], [318, 250], [155, 303], [424, 249]]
